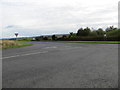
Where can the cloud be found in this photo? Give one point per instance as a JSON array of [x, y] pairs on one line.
[[9, 26], [36, 17]]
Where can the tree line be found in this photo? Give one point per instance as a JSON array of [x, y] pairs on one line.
[[86, 34]]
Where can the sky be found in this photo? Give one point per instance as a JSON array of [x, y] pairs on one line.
[[47, 17]]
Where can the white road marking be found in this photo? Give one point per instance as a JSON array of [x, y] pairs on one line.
[[10, 56], [34, 53], [50, 47], [24, 55], [68, 48]]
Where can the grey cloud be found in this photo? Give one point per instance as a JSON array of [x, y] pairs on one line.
[[9, 26]]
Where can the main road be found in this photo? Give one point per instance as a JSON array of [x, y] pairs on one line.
[[61, 65]]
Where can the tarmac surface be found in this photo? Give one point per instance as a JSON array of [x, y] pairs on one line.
[[61, 65]]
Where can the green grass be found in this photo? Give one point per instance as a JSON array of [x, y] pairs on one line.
[[107, 42], [104, 42], [21, 44]]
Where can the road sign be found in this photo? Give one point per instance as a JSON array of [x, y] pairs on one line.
[[16, 34]]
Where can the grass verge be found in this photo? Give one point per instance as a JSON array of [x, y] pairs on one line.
[[100, 42], [13, 44]]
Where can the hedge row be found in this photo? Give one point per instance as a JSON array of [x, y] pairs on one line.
[[88, 38]]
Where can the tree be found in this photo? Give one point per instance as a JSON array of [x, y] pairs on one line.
[[100, 32], [111, 28], [115, 32], [71, 34], [54, 37], [45, 38], [87, 31], [39, 38], [80, 32], [64, 37], [83, 32], [93, 33]]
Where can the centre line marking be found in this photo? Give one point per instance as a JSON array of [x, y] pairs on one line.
[[24, 55], [50, 47]]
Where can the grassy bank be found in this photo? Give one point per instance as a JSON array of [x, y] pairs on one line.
[[101, 42], [4, 44]]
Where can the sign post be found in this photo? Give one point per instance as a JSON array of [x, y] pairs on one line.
[[16, 34]]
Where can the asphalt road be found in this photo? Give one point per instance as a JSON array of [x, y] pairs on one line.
[[61, 65]]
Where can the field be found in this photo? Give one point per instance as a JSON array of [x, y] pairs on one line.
[[105, 42], [4, 44], [99, 42]]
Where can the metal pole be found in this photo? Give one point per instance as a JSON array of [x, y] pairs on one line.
[[16, 34]]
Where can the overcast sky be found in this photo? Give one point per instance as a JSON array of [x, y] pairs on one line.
[[41, 17]]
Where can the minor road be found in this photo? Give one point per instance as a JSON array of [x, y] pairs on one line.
[[61, 65]]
